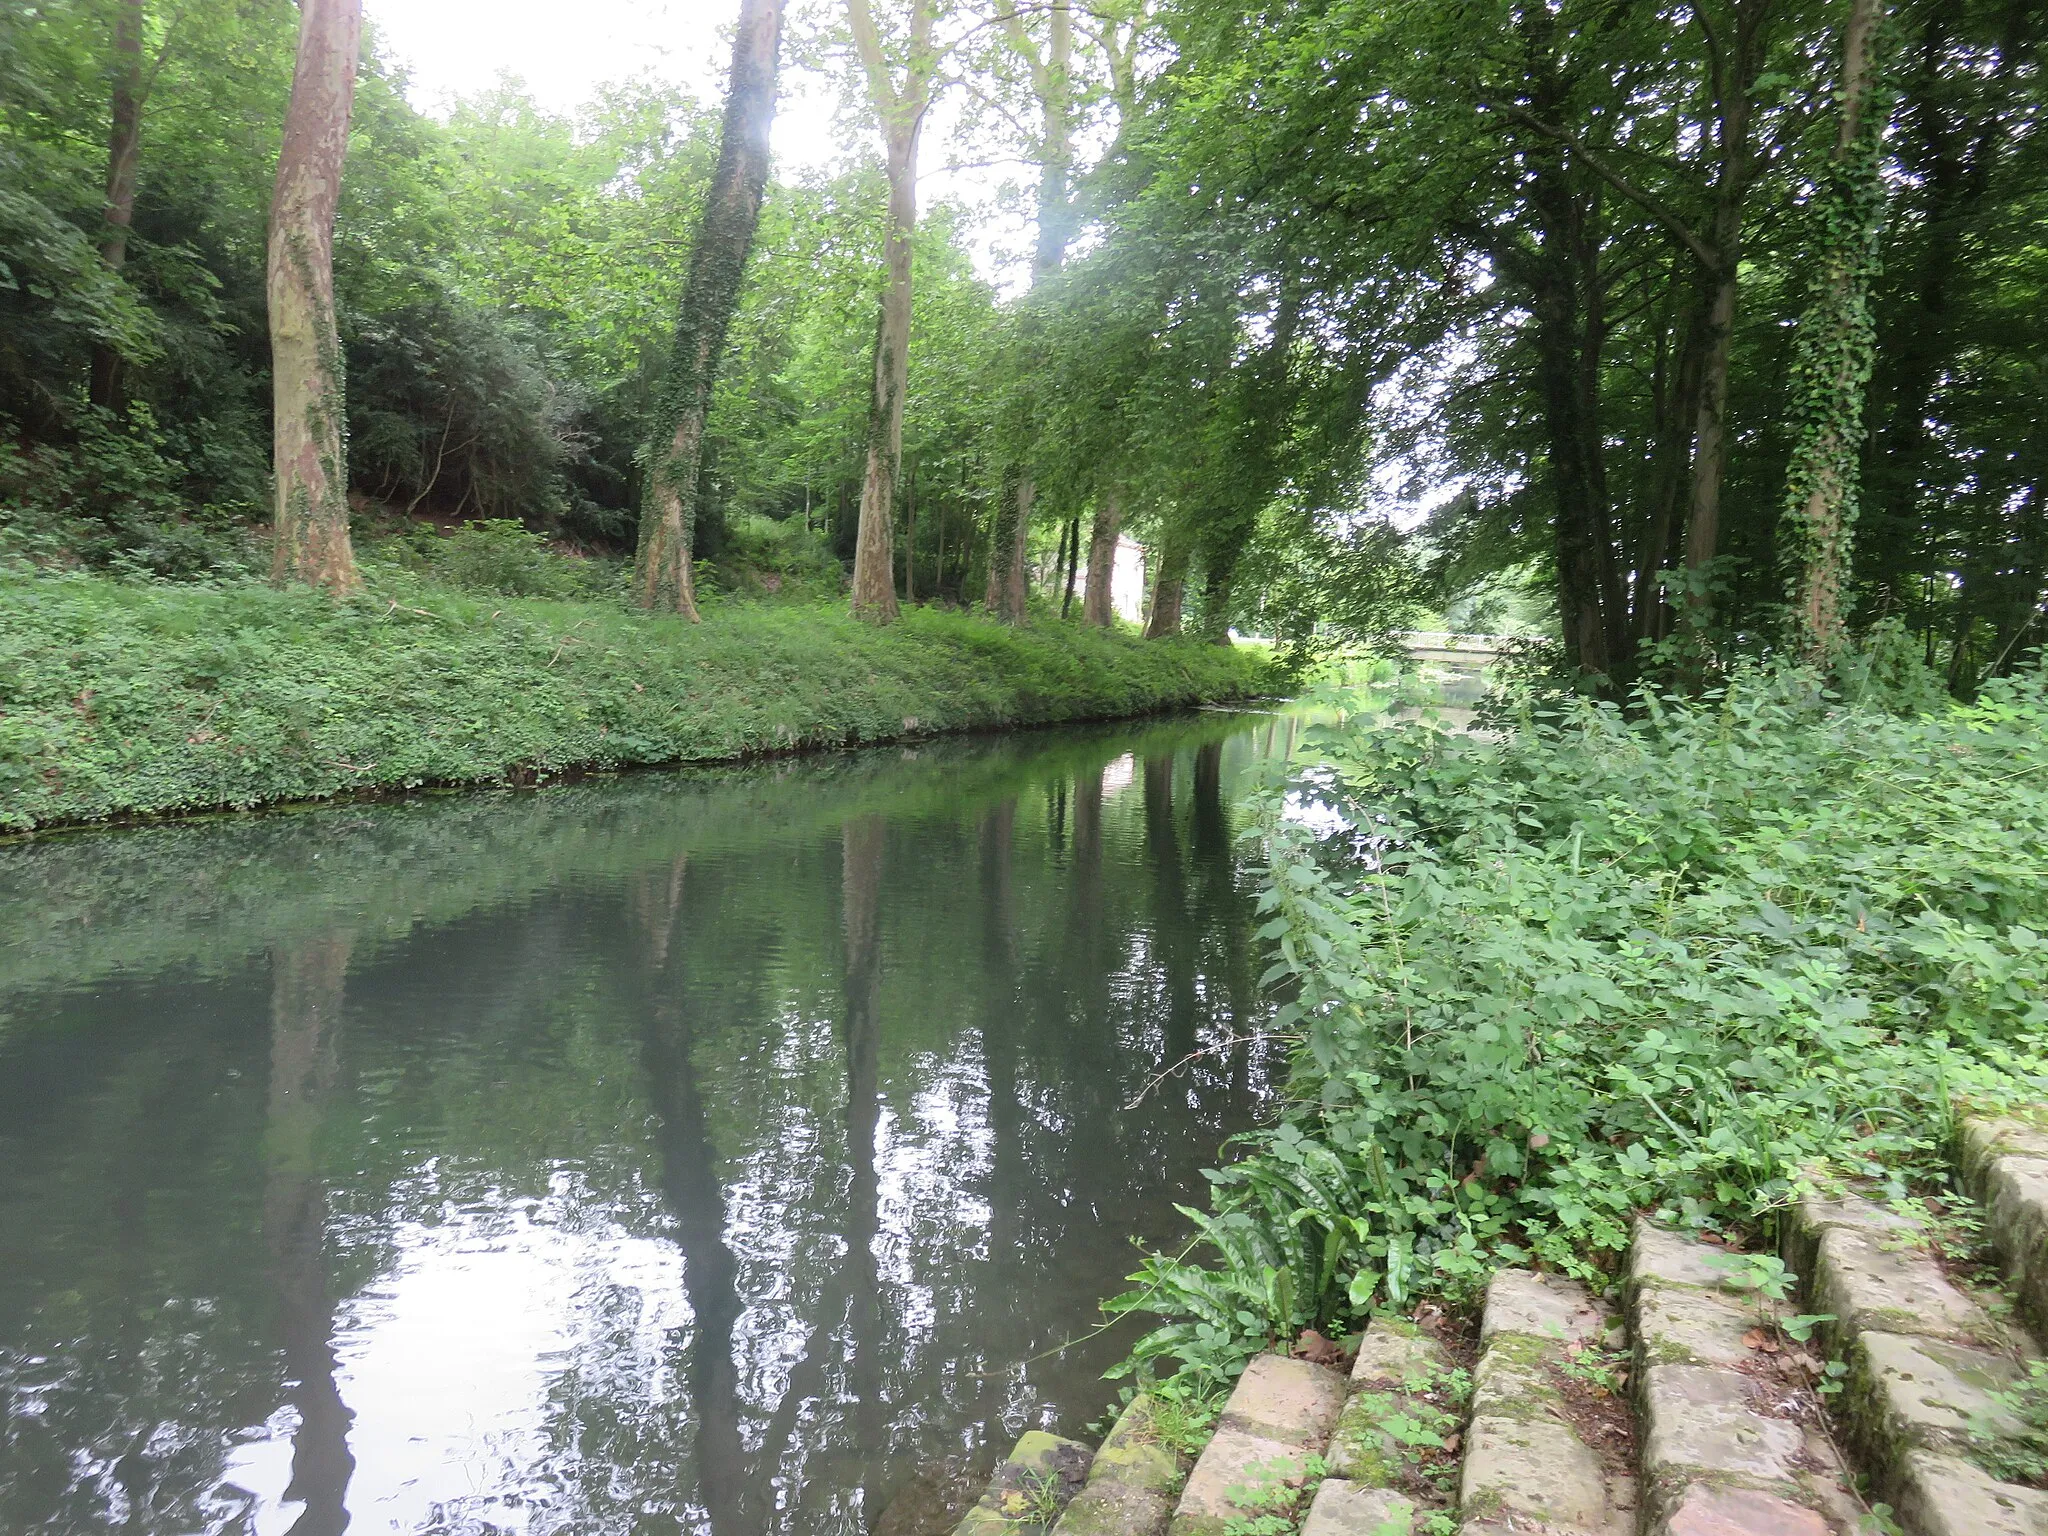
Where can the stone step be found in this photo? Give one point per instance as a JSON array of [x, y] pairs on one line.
[[1925, 1362], [1281, 1413], [1036, 1482], [1132, 1483], [2004, 1164], [1731, 1444], [1534, 1457], [1406, 1402]]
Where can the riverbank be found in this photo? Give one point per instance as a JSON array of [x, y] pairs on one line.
[[133, 699], [1687, 963]]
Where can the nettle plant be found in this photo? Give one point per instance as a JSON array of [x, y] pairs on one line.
[[1607, 960]]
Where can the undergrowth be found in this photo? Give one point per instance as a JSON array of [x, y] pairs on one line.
[[1681, 959], [132, 696]]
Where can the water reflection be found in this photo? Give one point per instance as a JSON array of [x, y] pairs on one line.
[[717, 1154], [305, 1042]]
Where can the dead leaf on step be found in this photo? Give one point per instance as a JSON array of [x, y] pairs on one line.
[[1754, 1339], [1316, 1349]]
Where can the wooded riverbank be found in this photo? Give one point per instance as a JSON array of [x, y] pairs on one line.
[[129, 699]]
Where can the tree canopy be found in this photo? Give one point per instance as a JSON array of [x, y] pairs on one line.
[[1481, 313]]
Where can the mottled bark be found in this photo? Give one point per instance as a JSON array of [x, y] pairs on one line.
[[1169, 590], [900, 110], [662, 574], [309, 424], [124, 143], [1098, 602]]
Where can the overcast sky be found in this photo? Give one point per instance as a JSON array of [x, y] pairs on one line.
[[452, 48]]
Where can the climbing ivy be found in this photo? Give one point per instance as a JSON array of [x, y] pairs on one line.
[[1836, 344]]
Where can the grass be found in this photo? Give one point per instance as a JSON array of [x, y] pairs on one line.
[[126, 698]]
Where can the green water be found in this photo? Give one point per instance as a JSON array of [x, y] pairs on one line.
[[680, 1153]]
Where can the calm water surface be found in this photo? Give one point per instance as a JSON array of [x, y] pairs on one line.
[[712, 1154]]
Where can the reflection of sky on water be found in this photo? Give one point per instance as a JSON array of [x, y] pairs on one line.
[[449, 1360]]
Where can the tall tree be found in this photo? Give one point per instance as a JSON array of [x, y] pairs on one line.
[[309, 462], [1837, 342], [1049, 65], [1098, 600], [900, 107], [124, 142], [662, 575]]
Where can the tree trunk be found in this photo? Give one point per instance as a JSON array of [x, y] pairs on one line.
[[874, 583], [1073, 564], [1671, 471], [1016, 584], [1052, 85], [1169, 591], [1588, 589], [309, 409], [124, 140], [1723, 279], [662, 574], [1835, 348], [910, 534], [1098, 602], [1219, 580]]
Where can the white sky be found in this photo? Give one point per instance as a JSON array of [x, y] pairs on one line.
[[452, 48]]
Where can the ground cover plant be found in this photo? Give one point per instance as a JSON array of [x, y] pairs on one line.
[[130, 697], [1680, 958]]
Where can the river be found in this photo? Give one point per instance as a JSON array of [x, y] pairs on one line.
[[721, 1153]]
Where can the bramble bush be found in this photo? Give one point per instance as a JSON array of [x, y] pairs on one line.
[[1678, 959]]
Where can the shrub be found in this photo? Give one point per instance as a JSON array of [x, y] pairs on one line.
[[498, 555], [116, 498], [1687, 960]]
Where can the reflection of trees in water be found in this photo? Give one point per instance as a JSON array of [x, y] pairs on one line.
[[307, 979], [736, 1486], [861, 844], [856, 1305]]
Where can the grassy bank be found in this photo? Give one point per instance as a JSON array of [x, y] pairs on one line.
[[1688, 961], [134, 698]]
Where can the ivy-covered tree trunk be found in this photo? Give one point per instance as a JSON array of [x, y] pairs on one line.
[[124, 143], [309, 425], [1219, 581], [1098, 600], [662, 575], [1169, 588], [1001, 535], [1835, 346]]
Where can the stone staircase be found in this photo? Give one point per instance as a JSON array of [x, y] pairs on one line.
[[1708, 1400]]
